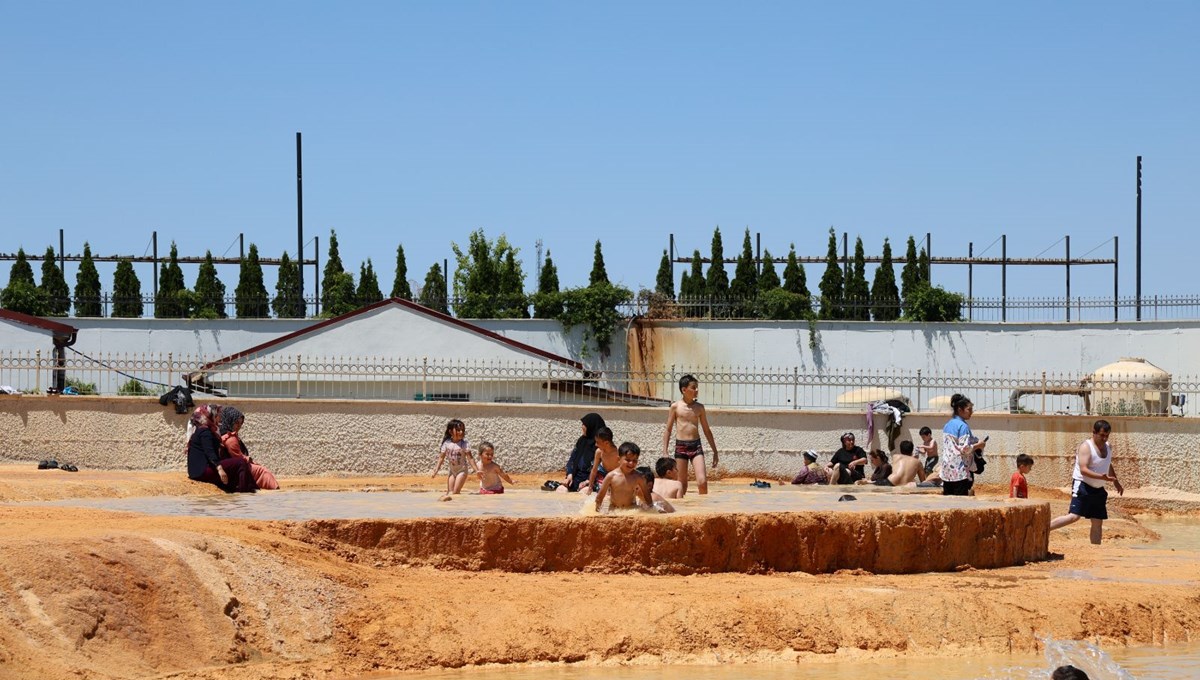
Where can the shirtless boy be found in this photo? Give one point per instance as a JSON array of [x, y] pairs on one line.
[[928, 447], [905, 468], [667, 485], [491, 475], [607, 459], [624, 483], [686, 417]]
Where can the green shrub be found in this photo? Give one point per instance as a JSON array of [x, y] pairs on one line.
[[133, 388]]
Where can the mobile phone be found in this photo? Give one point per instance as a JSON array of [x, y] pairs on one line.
[[987, 437]]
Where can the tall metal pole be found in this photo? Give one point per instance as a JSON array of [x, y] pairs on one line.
[[316, 275], [446, 282], [1068, 277], [300, 216], [154, 243], [1116, 281], [242, 247], [758, 250], [1138, 264], [845, 256], [970, 281], [671, 257], [62, 256], [1004, 277], [929, 256]]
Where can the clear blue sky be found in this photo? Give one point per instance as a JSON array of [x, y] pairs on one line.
[[569, 122]]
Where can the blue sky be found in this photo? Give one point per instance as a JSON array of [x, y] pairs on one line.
[[568, 122]]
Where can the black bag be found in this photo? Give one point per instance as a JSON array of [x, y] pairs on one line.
[[180, 396], [980, 463]]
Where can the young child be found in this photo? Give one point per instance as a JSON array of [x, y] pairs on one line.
[[491, 475], [660, 504], [624, 483], [928, 447], [607, 458], [456, 453], [686, 417], [667, 485], [1017, 486]]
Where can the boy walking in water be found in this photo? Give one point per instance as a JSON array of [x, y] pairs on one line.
[[1093, 467], [687, 416]]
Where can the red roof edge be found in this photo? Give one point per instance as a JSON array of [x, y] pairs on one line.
[[58, 329], [404, 303]]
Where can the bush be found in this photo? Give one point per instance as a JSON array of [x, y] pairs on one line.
[[81, 387], [595, 308], [934, 303], [779, 304], [133, 388]]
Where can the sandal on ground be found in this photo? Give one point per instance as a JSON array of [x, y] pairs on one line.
[[47, 464], [760, 484], [551, 485], [69, 468]]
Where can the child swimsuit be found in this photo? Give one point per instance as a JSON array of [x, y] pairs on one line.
[[687, 449]]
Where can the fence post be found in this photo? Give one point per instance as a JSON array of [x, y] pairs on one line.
[[795, 388], [170, 367], [299, 371], [424, 378], [1043, 393], [549, 372], [37, 373], [919, 402]]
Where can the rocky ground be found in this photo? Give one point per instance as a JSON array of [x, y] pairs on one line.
[[96, 594]]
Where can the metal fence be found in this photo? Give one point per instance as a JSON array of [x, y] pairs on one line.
[[539, 382]]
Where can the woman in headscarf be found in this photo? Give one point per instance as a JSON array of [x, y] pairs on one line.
[[204, 462], [579, 464], [231, 425]]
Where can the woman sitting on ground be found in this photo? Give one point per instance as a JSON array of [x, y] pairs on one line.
[[231, 426], [579, 463], [204, 462]]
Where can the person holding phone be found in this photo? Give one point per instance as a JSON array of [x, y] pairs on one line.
[[958, 449]]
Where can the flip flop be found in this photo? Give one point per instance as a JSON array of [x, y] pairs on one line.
[[846, 497], [760, 484], [550, 485], [48, 465], [69, 468]]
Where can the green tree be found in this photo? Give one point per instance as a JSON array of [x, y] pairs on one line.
[[22, 294], [335, 294], [250, 296], [127, 292], [400, 287], [599, 273], [935, 304], [832, 283], [885, 298], [595, 308], [512, 303], [547, 302], [923, 267], [477, 277], [368, 292], [910, 274], [289, 299], [794, 279], [664, 282], [745, 275], [695, 279], [54, 285], [433, 293], [87, 286], [857, 298], [173, 298], [716, 285], [210, 292], [768, 279]]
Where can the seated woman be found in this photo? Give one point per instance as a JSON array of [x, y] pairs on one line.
[[812, 473], [579, 463], [231, 425], [882, 469], [204, 462], [846, 465]]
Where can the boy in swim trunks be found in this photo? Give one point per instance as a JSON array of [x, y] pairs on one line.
[[625, 484], [491, 475], [607, 458], [687, 416]]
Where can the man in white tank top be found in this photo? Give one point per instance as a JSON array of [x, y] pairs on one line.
[[1093, 467]]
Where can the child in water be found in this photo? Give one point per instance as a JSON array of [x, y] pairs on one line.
[[491, 475], [456, 453], [625, 484]]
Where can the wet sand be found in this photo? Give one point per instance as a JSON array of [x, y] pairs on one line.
[[101, 594]]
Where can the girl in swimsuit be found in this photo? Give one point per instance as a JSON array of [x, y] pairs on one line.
[[456, 453]]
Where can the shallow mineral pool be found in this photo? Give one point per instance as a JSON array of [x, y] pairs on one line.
[[304, 505]]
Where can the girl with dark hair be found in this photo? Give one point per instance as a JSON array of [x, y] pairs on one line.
[[959, 445], [204, 460], [456, 453]]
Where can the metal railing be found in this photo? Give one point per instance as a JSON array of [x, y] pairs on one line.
[[539, 382]]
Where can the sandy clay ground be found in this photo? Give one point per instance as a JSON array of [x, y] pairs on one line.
[[93, 594]]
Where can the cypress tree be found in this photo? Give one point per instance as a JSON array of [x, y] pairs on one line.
[[858, 295], [22, 294], [716, 285], [910, 275], [400, 287], [923, 267], [250, 296], [433, 293], [547, 302], [210, 292], [745, 275], [885, 299], [664, 283], [512, 303], [332, 283], [127, 292], [696, 284], [54, 285], [832, 283], [171, 300], [368, 292], [768, 280], [289, 300], [599, 274], [794, 280], [87, 286]]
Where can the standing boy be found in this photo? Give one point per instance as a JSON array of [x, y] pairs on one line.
[[1093, 467], [928, 447], [1017, 486], [624, 483], [687, 416]]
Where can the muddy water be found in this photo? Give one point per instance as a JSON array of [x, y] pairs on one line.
[[303, 505]]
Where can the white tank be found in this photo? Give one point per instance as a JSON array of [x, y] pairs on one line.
[[1131, 386]]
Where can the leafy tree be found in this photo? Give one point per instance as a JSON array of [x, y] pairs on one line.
[[250, 296], [599, 273], [210, 292], [433, 293], [923, 266], [885, 298], [289, 299], [335, 295], [511, 302], [695, 279], [934, 304], [745, 275], [910, 275], [794, 280], [768, 279], [22, 294], [832, 285], [717, 282], [400, 288], [547, 302], [685, 285], [477, 277], [127, 292], [595, 308], [858, 295], [368, 292], [87, 286], [664, 283], [54, 285]]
